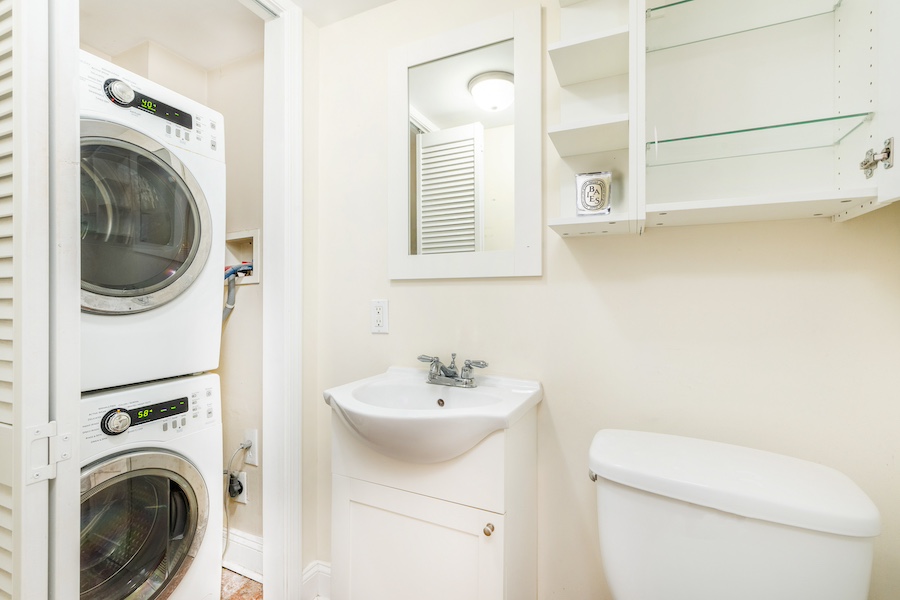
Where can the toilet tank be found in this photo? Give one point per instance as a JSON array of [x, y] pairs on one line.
[[689, 519]]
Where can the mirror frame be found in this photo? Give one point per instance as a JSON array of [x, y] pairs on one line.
[[523, 26]]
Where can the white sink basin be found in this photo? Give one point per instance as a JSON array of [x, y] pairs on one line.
[[399, 415]]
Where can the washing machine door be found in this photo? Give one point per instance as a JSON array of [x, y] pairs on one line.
[[145, 224], [143, 517]]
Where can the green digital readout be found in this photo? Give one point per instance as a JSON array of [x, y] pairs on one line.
[[163, 110], [154, 412], [121, 94]]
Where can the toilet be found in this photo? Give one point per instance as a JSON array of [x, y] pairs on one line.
[[689, 519]]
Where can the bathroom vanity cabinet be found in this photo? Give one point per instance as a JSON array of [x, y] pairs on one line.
[[462, 528], [713, 111]]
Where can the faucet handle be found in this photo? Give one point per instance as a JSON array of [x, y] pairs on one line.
[[467, 367], [428, 359]]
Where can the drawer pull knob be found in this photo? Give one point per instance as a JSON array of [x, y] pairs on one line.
[[489, 529]]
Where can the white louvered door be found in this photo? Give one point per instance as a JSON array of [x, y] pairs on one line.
[[450, 185], [24, 300]]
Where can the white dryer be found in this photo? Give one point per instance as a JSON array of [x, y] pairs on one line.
[[152, 229], [151, 491]]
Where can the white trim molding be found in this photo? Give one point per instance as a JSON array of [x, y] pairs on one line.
[[282, 302], [317, 581], [263, 9], [244, 555]]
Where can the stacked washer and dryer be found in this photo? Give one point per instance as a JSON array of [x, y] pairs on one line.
[[152, 255]]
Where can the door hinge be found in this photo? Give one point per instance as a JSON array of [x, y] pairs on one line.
[[41, 457], [885, 157]]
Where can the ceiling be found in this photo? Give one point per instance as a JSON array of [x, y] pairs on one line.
[[209, 33], [439, 90], [325, 12]]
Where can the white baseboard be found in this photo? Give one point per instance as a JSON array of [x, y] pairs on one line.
[[317, 581], [244, 555]]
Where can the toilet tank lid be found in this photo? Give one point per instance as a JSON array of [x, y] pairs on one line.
[[738, 480]]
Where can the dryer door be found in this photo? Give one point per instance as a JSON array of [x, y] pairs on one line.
[[145, 224], [143, 518]]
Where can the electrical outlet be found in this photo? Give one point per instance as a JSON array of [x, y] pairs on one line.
[[242, 497], [251, 456], [379, 316]]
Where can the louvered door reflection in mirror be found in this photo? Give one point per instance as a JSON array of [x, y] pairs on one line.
[[462, 155]]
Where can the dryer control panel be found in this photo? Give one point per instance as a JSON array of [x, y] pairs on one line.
[[109, 92], [154, 412]]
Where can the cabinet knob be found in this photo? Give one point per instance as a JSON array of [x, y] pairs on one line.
[[489, 529]]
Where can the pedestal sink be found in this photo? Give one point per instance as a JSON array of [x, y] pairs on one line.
[[400, 415]]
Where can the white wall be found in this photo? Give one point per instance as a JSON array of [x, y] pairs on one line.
[[161, 65], [499, 188], [315, 530], [781, 336], [235, 90]]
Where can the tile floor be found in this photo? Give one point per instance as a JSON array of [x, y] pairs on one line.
[[237, 587]]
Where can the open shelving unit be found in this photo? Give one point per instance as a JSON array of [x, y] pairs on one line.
[[738, 110], [596, 67]]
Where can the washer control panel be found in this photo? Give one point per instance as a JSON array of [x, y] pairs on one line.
[[115, 421], [154, 412]]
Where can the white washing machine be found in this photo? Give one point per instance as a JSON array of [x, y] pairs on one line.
[[151, 491], [152, 230]]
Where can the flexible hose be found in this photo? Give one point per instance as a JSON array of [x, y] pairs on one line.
[[244, 446], [231, 274], [229, 302]]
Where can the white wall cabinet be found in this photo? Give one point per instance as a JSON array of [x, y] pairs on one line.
[[463, 528], [736, 110]]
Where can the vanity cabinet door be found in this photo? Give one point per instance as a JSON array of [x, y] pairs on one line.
[[389, 544]]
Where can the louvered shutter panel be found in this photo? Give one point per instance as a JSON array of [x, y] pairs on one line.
[[24, 299], [6, 307], [450, 189]]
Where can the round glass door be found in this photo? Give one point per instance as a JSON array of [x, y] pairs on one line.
[[145, 226], [143, 516]]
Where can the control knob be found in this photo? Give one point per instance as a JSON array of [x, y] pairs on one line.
[[115, 421], [119, 92]]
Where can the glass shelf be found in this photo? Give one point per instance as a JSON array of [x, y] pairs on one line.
[[816, 133], [671, 24]]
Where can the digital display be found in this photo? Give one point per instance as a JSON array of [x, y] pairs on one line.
[[122, 94], [169, 113], [154, 412]]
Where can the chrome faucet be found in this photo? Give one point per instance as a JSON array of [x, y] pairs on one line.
[[441, 374]]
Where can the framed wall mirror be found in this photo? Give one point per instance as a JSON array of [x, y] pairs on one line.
[[465, 152]]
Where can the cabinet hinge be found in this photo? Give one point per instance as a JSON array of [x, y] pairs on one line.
[[41, 457], [885, 157]]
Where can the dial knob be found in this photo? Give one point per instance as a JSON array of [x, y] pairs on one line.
[[115, 421], [119, 92]]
